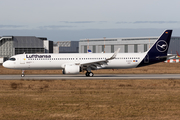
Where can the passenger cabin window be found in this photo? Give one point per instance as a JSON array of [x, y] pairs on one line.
[[12, 59]]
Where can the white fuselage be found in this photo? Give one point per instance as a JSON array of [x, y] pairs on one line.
[[57, 61]]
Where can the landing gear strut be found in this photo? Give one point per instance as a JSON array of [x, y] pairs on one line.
[[89, 74], [22, 75]]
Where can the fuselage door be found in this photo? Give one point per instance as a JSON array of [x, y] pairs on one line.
[[22, 59]]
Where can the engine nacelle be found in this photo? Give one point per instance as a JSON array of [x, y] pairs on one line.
[[71, 69]]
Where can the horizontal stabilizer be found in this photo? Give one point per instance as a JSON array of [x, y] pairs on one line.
[[168, 56]]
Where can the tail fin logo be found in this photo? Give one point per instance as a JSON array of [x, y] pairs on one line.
[[161, 46]]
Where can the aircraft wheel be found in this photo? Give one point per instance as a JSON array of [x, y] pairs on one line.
[[22, 75], [87, 74], [91, 74]]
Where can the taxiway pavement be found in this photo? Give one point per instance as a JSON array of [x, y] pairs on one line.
[[96, 77]]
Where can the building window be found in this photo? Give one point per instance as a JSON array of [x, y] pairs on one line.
[[102, 48], [29, 50], [135, 48], [145, 47], [112, 48], [94, 49], [126, 48], [85, 49]]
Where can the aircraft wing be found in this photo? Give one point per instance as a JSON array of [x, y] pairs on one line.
[[98, 64]]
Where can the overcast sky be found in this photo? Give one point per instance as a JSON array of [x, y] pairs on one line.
[[60, 20]]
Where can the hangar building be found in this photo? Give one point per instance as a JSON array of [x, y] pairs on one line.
[[12, 45], [126, 45], [66, 47]]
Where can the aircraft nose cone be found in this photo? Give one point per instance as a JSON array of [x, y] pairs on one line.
[[5, 64]]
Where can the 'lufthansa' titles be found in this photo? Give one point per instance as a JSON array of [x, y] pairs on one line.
[[38, 56]]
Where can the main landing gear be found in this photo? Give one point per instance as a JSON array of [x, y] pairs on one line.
[[22, 75], [89, 74]]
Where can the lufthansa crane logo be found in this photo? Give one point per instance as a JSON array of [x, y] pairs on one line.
[[161, 46]]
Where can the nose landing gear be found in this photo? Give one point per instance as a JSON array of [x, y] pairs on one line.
[[22, 75]]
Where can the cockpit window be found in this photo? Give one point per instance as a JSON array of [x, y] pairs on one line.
[[12, 59]]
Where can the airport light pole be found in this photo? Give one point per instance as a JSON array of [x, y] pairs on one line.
[[104, 44]]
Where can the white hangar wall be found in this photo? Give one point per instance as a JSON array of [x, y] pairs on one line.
[[126, 45]]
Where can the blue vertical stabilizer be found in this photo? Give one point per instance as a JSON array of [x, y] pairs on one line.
[[158, 52]]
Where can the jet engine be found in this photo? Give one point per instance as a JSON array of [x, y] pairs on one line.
[[71, 69]]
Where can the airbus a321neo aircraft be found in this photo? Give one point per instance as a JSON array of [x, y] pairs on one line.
[[73, 63]]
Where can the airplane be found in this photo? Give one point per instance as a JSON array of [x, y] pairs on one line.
[[174, 58], [177, 54], [74, 63]]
